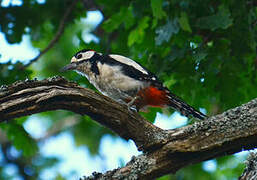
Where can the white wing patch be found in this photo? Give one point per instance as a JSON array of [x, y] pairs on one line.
[[128, 61]]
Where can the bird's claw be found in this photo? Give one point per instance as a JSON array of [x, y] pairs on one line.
[[132, 108]]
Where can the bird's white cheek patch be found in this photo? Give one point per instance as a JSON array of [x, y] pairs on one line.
[[88, 55]]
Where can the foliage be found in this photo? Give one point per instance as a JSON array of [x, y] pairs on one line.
[[204, 51]]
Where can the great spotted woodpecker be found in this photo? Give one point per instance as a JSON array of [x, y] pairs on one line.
[[124, 80]]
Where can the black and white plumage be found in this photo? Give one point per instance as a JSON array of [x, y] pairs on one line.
[[126, 81]]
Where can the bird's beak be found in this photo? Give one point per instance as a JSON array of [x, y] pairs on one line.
[[68, 67]]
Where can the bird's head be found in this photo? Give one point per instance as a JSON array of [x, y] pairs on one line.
[[82, 61]]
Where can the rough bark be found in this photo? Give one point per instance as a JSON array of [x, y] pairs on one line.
[[165, 151], [29, 97]]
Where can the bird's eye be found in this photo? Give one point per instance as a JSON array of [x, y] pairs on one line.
[[79, 56]]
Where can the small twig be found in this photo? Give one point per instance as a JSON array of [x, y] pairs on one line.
[[57, 35]]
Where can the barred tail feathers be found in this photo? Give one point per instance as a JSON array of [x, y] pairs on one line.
[[184, 108]]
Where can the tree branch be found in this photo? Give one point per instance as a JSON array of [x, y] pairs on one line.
[[233, 131], [56, 36], [29, 97], [166, 151]]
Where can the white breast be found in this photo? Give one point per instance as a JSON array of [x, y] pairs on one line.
[[113, 76], [112, 82]]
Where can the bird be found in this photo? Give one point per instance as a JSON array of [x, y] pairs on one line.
[[128, 82]]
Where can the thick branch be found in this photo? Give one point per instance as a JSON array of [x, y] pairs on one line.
[[30, 97], [233, 131], [166, 151]]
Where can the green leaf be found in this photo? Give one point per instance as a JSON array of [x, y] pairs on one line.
[[199, 55], [125, 16], [11, 72], [158, 12], [221, 20], [129, 19], [137, 35], [165, 32], [151, 113], [20, 138], [183, 22], [154, 23], [170, 81]]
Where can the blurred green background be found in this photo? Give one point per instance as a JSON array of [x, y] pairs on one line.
[[204, 51]]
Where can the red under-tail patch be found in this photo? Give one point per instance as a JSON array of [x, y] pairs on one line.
[[153, 96]]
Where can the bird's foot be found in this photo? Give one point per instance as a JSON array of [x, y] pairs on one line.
[[132, 108]]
